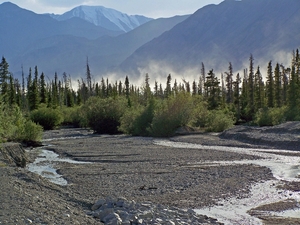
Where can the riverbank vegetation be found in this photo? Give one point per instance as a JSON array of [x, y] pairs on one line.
[[211, 103]]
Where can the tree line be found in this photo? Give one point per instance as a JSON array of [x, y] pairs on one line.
[[250, 97]]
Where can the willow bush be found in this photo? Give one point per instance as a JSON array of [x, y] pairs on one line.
[[270, 116], [171, 114], [48, 118], [104, 115], [138, 118], [219, 120], [14, 126]]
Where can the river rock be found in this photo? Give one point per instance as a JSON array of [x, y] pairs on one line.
[[123, 212], [98, 204]]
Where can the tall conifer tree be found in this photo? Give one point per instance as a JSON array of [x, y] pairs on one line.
[[270, 86], [278, 86]]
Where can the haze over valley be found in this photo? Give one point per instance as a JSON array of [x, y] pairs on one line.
[[116, 44]]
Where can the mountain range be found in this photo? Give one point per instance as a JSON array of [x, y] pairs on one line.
[[228, 32], [108, 18], [64, 46], [214, 35]]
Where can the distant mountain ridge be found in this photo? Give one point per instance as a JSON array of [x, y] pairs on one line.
[[223, 33], [105, 17], [28, 39], [214, 35]]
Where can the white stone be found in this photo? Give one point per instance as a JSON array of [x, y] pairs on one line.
[[146, 215], [123, 214]]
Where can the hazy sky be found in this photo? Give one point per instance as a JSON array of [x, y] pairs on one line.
[[150, 8]]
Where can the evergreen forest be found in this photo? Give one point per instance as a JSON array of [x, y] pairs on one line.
[[211, 103]]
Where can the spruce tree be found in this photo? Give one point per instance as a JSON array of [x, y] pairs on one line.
[[223, 91], [236, 96], [43, 91], [270, 86], [194, 87], [120, 88], [229, 84], [244, 98], [32, 89], [147, 89], [187, 86], [18, 93], [12, 91], [168, 90], [202, 80], [259, 90], [55, 94], [127, 89], [293, 96], [175, 88], [88, 80], [103, 88], [29, 82], [24, 105], [278, 87], [155, 89], [213, 90], [4, 76], [250, 105], [285, 82]]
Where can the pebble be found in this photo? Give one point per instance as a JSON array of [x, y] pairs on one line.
[[121, 211]]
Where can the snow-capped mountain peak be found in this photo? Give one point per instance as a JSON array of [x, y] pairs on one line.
[[108, 18]]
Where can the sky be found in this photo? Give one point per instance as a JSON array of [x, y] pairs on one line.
[[149, 8]]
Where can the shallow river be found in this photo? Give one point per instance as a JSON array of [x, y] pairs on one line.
[[234, 211], [44, 165], [229, 211]]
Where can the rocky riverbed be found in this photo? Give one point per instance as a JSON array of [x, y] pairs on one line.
[[140, 171]]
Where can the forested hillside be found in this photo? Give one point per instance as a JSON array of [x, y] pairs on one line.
[[210, 103]]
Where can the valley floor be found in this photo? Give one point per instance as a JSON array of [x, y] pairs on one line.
[[138, 169]]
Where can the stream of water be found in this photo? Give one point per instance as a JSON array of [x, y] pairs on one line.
[[234, 210], [45, 164], [229, 211]]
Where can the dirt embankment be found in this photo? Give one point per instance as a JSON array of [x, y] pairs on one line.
[[13, 154]]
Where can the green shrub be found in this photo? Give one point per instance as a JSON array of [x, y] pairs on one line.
[[73, 116], [103, 115], [15, 127], [293, 113], [128, 120], [137, 120], [200, 112], [48, 118], [270, 116], [171, 114], [32, 132], [218, 121]]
